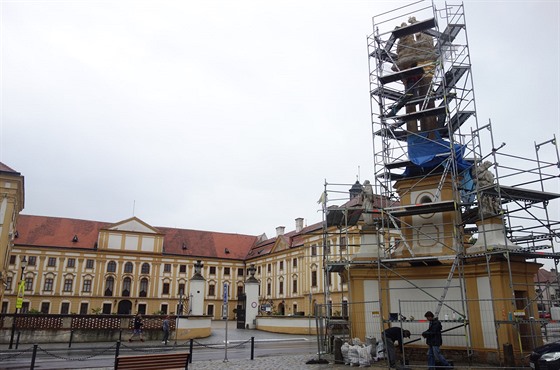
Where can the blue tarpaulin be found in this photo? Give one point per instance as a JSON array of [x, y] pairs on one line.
[[427, 154]]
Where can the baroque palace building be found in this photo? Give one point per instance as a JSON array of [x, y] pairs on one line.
[[81, 266]]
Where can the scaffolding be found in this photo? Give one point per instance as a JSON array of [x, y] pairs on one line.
[[491, 206]]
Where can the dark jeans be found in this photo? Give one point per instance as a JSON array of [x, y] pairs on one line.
[[435, 354]]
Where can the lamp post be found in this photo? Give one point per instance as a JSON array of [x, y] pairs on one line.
[[181, 303], [23, 266], [19, 299]]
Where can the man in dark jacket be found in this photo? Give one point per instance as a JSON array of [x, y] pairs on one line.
[[434, 341], [390, 336]]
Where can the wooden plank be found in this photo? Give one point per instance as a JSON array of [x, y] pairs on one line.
[[153, 361]]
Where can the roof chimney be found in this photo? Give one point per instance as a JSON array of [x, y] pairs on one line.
[[299, 224], [280, 230]]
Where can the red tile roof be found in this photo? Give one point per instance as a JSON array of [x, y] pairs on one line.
[[544, 276], [206, 243], [293, 238], [4, 168], [59, 232]]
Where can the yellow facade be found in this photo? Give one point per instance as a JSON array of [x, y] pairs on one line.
[[11, 204], [127, 272]]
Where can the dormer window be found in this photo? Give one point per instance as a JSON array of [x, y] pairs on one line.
[[184, 247], [227, 251], [75, 239]]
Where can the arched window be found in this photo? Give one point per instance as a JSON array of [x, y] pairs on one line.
[[111, 266], [128, 267], [126, 287], [145, 268], [143, 288], [109, 286]]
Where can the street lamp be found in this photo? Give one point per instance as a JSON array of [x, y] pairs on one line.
[[180, 308], [19, 299], [23, 266]]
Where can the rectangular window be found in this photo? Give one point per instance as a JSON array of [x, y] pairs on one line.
[[12, 260], [4, 307], [167, 267], [24, 307], [211, 290], [68, 285], [165, 288], [163, 309], [142, 308], [281, 265], [343, 243], [71, 262], [240, 272], [294, 286], [87, 286], [183, 268], [313, 278], [268, 289], [65, 308], [45, 306], [107, 308], [210, 310], [28, 284], [9, 280], [269, 268], [48, 287], [84, 306], [239, 291], [51, 262], [226, 270], [181, 289], [313, 250], [258, 270], [31, 261], [90, 263], [294, 263], [212, 270], [281, 288]]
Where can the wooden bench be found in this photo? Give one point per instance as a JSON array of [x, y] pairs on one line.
[[154, 361]]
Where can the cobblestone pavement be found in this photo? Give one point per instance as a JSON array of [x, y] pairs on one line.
[[292, 362]]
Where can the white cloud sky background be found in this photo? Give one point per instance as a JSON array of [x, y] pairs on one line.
[[230, 115]]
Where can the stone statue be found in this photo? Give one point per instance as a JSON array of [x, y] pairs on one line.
[[367, 202], [417, 50], [414, 49], [487, 205]]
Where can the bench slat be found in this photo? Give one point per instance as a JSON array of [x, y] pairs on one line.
[[158, 361]]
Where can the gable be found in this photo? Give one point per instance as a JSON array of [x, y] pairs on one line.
[[281, 244], [134, 225]]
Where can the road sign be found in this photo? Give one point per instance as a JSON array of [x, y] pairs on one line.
[[21, 292]]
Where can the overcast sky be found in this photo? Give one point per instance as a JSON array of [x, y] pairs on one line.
[[230, 115]]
